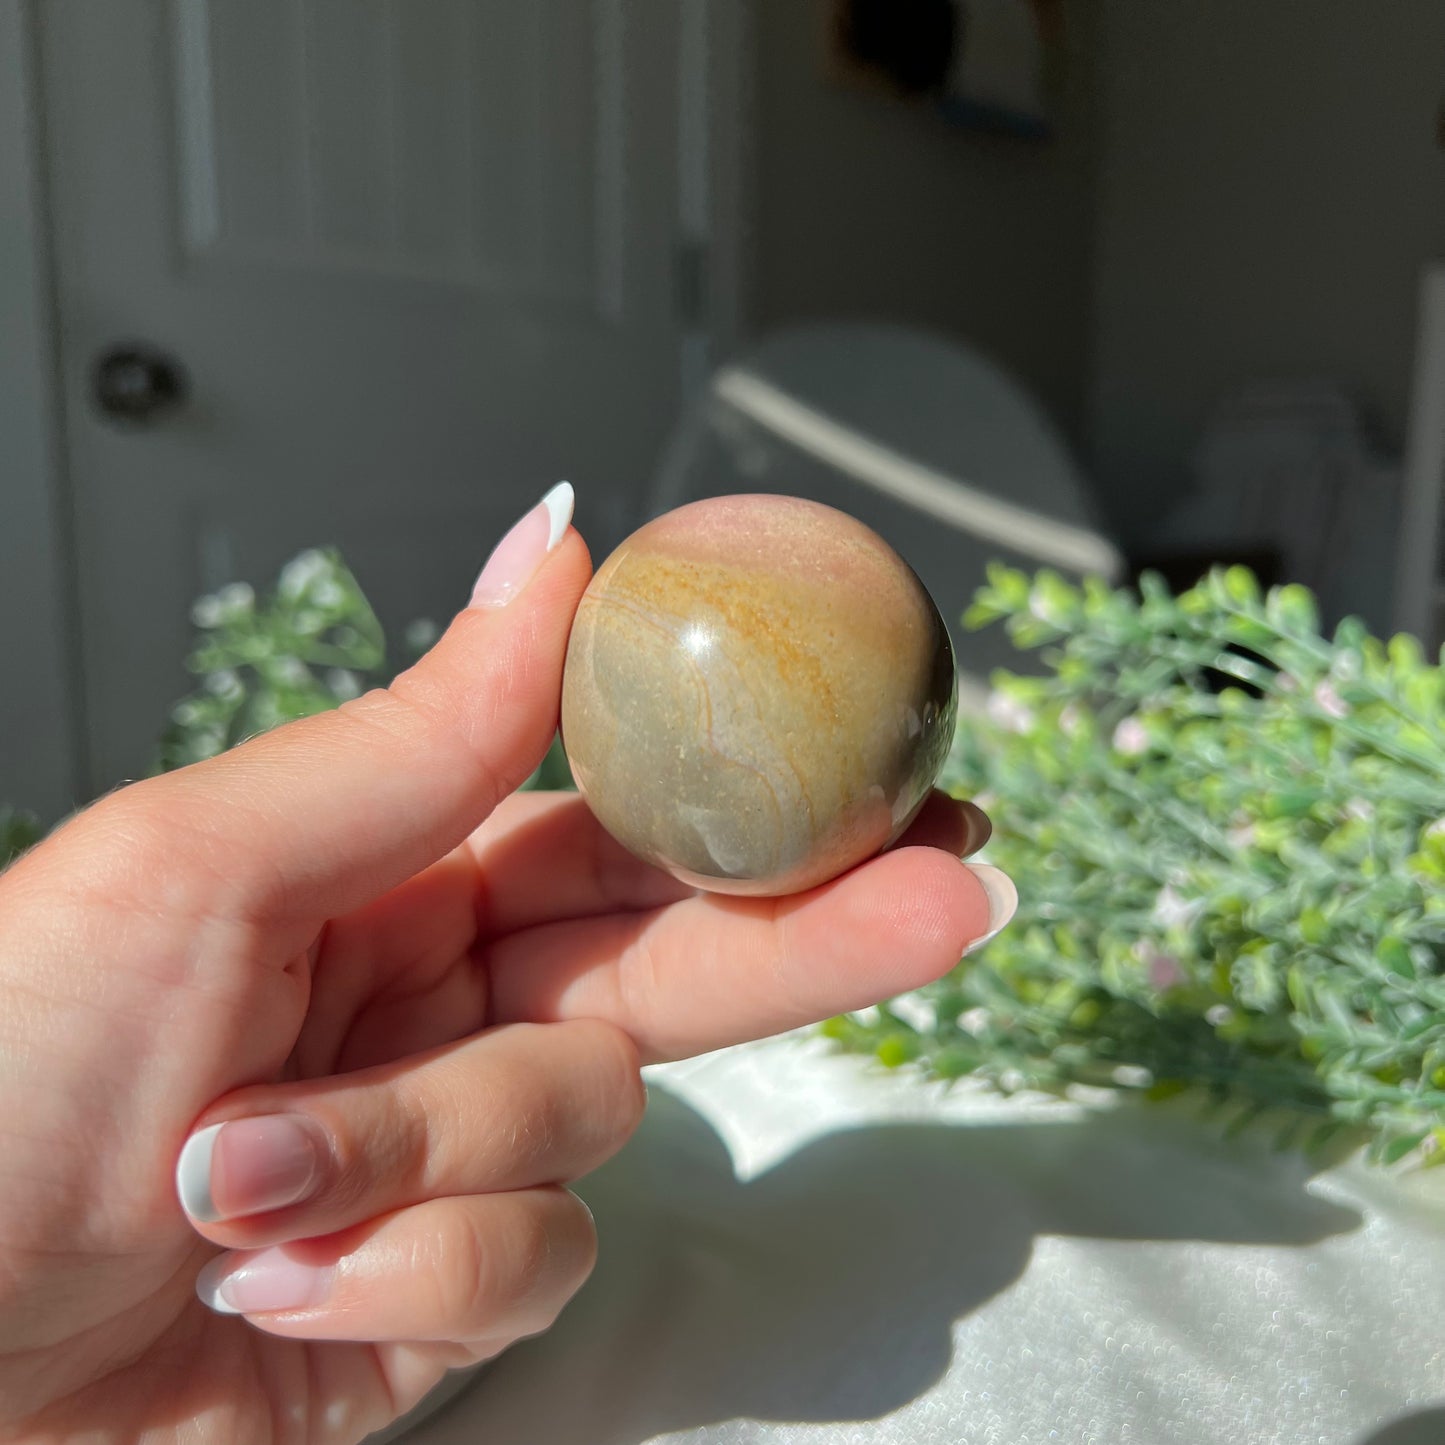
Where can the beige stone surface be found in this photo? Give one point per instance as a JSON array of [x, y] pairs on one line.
[[758, 693]]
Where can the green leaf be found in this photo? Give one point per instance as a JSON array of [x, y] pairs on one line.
[[1395, 1149], [897, 1049], [1009, 586], [18, 832], [1291, 803], [1292, 609], [1394, 954], [1241, 587], [311, 645], [1405, 653]]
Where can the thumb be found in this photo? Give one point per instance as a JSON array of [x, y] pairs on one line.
[[324, 814]]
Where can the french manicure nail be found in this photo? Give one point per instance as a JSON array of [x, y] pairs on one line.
[[261, 1283], [520, 552], [1003, 901], [247, 1166]]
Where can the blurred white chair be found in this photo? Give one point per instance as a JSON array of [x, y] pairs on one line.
[[927, 442]]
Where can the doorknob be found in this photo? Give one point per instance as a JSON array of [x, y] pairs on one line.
[[136, 383]]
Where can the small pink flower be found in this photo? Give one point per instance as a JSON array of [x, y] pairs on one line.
[[1131, 737], [1327, 699], [1164, 972]]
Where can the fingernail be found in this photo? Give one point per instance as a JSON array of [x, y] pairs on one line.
[[980, 828], [261, 1283], [520, 552], [247, 1166], [1003, 901]]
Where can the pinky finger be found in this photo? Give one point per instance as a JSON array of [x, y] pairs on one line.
[[482, 1268]]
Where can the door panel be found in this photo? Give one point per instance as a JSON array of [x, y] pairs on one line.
[[476, 144], [414, 257]]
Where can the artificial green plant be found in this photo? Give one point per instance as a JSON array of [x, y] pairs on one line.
[[1228, 835], [1227, 831]]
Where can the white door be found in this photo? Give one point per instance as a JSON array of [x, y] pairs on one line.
[[414, 260]]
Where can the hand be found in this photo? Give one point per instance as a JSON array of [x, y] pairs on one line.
[[415, 1007]]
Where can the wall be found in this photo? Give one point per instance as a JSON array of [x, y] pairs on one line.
[[37, 719], [866, 208], [1269, 188]]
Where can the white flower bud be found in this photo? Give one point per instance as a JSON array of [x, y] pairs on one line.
[[236, 598], [300, 572], [206, 612], [343, 683], [1327, 699], [1131, 737], [1009, 713], [224, 684]]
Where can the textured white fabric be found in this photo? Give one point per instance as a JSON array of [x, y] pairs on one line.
[[800, 1250]]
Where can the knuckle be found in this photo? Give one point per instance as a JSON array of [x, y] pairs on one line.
[[631, 1105], [383, 1147], [610, 865], [149, 843], [529, 1122], [531, 1254], [613, 1054], [586, 1241], [507, 1275], [121, 835], [502, 1273], [460, 1274], [555, 1276], [628, 1092], [438, 721], [616, 1069]]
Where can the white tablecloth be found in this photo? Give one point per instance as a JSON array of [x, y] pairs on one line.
[[799, 1249]]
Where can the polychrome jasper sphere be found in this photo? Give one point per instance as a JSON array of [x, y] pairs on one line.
[[758, 694]]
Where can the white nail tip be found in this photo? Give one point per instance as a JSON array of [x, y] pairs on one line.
[[193, 1175], [559, 503], [208, 1286], [1003, 900]]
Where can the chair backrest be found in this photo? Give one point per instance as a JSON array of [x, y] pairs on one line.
[[929, 443]]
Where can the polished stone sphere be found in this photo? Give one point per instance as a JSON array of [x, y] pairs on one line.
[[758, 694]]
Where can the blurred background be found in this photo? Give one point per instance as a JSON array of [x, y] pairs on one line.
[[1091, 284]]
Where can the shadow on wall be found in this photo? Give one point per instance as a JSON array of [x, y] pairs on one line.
[[826, 1288], [1425, 1427]]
